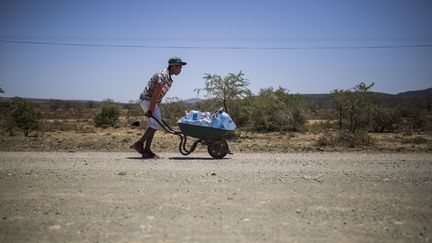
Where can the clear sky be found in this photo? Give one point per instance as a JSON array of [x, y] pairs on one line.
[[198, 30]]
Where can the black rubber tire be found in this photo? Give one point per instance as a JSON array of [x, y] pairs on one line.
[[218, 149]]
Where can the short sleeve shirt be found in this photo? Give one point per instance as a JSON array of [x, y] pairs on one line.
[[162, 77]]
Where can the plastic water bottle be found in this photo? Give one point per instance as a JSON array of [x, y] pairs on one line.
[[204, 118], [187, 118], [219, 119], [194, 114], [217, 122], [227, 122]]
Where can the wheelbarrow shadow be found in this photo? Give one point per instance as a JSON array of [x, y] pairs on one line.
[[178, 158], [196, 158]]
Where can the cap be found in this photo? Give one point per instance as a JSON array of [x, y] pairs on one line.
[[176, 61]]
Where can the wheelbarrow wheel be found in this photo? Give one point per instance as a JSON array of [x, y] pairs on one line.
[[218, 149]]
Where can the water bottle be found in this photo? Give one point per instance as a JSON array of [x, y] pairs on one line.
[[187, 118], [217, 122], [204, 119], [228, 123], [194, 114]]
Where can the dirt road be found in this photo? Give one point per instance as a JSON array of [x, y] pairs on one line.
[[299, 197]]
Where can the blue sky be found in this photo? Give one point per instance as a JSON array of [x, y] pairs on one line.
[[120, 73]]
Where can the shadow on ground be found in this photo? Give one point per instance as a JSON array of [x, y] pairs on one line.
[[178, 158]]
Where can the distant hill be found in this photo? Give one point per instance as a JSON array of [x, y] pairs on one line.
[[415, 94], [45, 100], [325, 99], [193, 100], [318, 99]]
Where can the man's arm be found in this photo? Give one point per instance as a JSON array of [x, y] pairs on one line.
[[156, 93]]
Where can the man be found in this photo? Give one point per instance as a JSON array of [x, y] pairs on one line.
[[150, 100]]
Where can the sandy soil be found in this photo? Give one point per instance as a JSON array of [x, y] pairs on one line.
[[119, 140], [246, 197]]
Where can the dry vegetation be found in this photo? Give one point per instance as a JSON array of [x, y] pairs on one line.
[[272, 121], [62, 133]]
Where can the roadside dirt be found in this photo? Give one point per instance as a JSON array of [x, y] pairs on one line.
[[246, 197], [119, 140]]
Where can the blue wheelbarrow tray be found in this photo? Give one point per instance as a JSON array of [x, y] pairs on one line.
[[217, 147], [201, 132]]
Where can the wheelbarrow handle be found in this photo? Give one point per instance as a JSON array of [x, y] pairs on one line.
[[165, 126], [183, 138]]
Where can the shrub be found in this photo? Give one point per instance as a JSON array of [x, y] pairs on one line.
[[345, 139], [108, 116], [22, 115], [384, 119], [133, 108], [354, 107], [353, 140], [326, 140], [274, 111], [415, 140]]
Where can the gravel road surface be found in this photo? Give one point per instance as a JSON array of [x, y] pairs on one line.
[[294, 197]]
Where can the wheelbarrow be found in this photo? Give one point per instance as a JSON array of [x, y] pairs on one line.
[[211, 137]]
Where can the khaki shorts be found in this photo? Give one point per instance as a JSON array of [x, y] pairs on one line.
[[145, 105]]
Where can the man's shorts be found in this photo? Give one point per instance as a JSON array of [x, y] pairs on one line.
[[145, 105]]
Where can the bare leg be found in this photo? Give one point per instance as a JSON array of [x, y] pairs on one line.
[[147, 138]]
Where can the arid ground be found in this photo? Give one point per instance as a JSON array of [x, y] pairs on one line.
[[246, 197], [88, 138]]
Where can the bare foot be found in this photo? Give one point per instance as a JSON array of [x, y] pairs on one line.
[[156, 156], [138, 147], [146, 155]]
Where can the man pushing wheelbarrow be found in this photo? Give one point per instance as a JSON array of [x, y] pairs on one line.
[[207, 128], [150, 99]]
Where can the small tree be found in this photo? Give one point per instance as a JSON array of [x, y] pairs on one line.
[[339, 98], [227, 89], [355, 110], [354, 107], [108, 116], [273, 110], [23, 116], [384, 119]]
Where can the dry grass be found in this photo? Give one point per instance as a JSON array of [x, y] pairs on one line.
[[81, 135], [111, 139]]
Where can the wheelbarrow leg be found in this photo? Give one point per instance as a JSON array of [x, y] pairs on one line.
[[182, 146]]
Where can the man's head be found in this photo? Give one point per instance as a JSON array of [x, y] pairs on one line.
[[175, 65]]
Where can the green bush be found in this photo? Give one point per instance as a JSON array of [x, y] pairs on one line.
[[23, 116], [133, 108], [354, 107], [273, 111], [384, 119], [108, 116]]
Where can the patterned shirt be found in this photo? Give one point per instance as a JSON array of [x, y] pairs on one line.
[[162, 77]]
